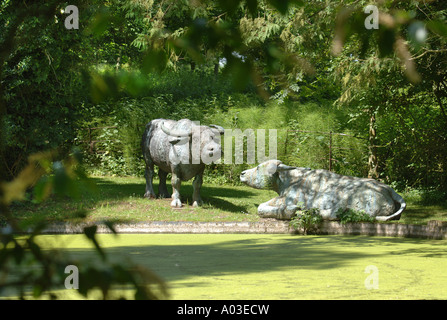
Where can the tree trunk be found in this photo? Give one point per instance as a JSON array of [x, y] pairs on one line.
[[372, 160], [438, 94], [216, 68]]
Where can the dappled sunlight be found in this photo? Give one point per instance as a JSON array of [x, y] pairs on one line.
[[357, 89], [121, 199]]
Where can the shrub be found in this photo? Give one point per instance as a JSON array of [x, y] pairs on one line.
[[350, 215], [308, 220]]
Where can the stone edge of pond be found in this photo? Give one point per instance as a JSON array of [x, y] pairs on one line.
[[433, 229]]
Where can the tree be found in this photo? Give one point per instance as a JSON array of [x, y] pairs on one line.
[[25, 113], [386, 83], [391, 79], [313, 50], [41, 91]]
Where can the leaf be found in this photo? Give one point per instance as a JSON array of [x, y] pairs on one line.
[[15, 189], [283, 5], [42, 189], [18, 253], [240, 72], [35, 249], [438, 27], [252, 6], [229, 5], [103, 86], [37, 291], [90, 233], [61, 179], [280, 5], [154, 61], [387, 38], [100, 23], [342, 29], [110, 225]]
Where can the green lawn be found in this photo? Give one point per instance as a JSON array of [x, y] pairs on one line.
[[276, 267], [120, 198]]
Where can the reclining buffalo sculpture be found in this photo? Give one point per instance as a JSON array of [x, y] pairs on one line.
[[303, 188], [181, 148]]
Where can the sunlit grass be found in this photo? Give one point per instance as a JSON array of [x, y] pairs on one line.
[[120, 199]]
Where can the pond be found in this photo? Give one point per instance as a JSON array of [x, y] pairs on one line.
[[276, 267]]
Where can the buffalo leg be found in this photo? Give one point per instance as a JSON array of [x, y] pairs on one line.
[[162, 189], [277, 208], [149, 175], [197, 184], [176, 183]]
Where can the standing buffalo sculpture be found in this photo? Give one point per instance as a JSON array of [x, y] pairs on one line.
[[181, 148], [303, 188]]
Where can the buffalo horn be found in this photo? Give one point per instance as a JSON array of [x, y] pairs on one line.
[[174, 133], [283, 167], [218, 128]]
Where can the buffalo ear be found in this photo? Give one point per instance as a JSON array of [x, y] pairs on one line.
[[283, 167], [272, 168], [178, 140], [218, 128]]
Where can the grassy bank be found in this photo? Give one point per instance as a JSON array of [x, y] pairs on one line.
[[120, 199]]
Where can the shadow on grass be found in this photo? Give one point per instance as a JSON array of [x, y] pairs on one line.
[[415, 214], [212, 195], [225, 205], [123, 195], [117, 190]]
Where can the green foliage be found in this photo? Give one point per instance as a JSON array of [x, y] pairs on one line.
[[307, 220], [424, 196], [390, 85], [23, 262], [287, 55], [353, 216], [199, 96], [319, 132], [40, 84], [42, 78], [407, 104]]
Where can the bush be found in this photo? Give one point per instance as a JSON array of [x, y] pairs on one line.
[[308, 220], [423, 196], [350, 216], [308, 142]]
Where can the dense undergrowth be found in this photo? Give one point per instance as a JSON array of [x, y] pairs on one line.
[[302, 127]]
